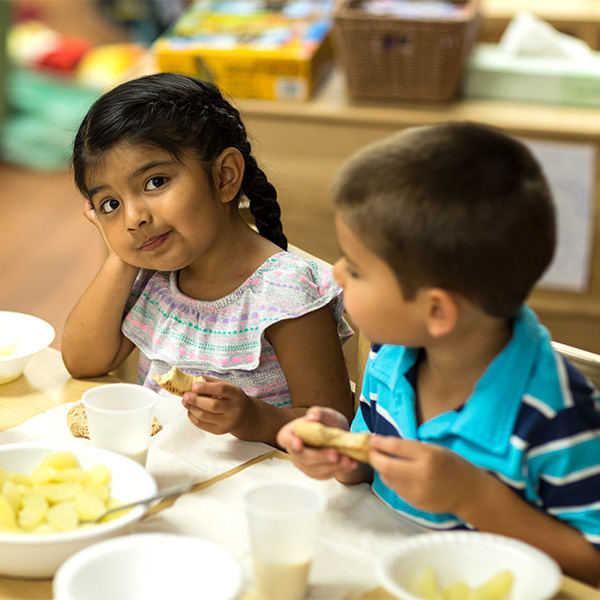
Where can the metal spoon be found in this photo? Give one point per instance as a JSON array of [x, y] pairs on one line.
[[169, 492]]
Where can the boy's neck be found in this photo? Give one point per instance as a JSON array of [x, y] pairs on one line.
[[451, 367]]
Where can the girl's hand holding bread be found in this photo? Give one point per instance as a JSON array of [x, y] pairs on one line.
[[216, 406]]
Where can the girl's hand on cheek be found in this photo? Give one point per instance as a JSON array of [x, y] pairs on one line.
[[428, 476], [215, 406], [90, 214]]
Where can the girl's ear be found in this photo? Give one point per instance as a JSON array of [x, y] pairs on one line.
[[228, 172], [442, 312]]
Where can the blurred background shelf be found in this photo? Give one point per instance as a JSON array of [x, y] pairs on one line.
[[49, 253]]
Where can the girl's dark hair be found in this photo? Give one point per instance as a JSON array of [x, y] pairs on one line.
[[458, 205], [177, 113]]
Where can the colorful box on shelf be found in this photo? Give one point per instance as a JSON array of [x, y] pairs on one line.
[[275, 51], [495, 74]]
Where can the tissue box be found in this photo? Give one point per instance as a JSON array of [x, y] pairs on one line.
[[272, 50], [495, 74]]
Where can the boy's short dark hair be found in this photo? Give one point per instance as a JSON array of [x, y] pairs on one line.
[[458, 205]]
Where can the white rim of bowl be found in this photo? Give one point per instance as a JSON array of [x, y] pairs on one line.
[[26, 538], [49, 335], [105, 547]]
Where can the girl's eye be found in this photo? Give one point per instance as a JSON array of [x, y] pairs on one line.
[[108, 206], [155, 182]]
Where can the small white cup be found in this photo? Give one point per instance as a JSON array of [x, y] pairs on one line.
[[120, 418], [283, 518]]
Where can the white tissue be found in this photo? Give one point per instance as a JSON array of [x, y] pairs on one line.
[[528, 35]]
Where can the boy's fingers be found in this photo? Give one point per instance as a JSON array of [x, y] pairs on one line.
[[395, 446]]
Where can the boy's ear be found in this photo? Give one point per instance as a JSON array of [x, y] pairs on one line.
[[442, 312], [228, 172]]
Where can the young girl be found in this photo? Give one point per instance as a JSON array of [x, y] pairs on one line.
[[163, 162]]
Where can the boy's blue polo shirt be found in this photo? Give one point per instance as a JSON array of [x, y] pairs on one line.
[[533, 421]]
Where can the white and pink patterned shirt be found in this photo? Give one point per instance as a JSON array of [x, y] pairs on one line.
[[225, 338]]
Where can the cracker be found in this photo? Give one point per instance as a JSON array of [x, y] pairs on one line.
[[176, 381], [78, 425], [354, 445]]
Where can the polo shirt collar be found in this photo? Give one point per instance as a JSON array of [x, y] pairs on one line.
[[496, 398]]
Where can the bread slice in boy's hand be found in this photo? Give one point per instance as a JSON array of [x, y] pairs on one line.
[[176, 381], [354, 445]]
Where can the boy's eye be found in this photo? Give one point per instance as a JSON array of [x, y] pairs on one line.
[[350, 270], [108, 206], [155, 182]]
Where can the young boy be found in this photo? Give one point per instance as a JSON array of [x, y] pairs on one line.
[[443, 232]]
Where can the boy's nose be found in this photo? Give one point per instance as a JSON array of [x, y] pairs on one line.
[[338, 272]]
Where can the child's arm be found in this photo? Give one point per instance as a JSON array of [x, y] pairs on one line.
[[435, 479], [310, 355], [92, 342]]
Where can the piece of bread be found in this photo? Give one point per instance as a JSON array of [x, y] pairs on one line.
[[176, 381], [78, 425], [355, 445]]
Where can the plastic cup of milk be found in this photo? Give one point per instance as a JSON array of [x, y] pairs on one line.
[[283, 519], [120, 418]]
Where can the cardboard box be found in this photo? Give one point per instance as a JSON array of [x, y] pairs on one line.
[[494, 74], [276, 50]]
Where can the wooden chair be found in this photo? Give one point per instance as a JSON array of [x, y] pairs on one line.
[[587, 362]]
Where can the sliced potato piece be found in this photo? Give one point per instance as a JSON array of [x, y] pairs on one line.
[[34, 511], [428, 586], [88, 506], [497, 588], [62, 516], [8, 518], [60, 492], [58, 461]]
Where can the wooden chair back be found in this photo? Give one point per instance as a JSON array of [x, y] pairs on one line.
[[587, 362]]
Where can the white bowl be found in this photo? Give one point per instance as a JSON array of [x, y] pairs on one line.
[[149, 566], [30, 335], [38, 555], [473, 558]]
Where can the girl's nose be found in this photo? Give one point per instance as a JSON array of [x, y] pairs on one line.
[[137, 214]]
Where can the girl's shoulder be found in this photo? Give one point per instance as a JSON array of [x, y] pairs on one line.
[[288, 277], [286, 263]]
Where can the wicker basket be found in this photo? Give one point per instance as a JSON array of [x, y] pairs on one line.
[[390, 58]]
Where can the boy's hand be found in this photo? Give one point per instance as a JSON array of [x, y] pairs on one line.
[[430, 477], [317, 463], [216, 406]]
